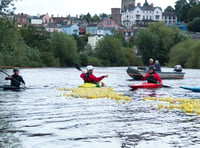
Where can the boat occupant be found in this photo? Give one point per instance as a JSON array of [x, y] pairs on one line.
[[151, 62], [16, 79], [157, 66], [89, 77], [152, 76]]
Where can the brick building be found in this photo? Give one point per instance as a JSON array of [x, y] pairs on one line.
[[116, 15]]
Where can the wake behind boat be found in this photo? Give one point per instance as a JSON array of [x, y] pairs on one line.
[[138, 74]]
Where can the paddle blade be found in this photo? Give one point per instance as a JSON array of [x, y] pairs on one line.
[[77, 67]]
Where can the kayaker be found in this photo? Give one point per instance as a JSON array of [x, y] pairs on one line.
[[152, 76], [157, 66], [16, 79], [89, 77]]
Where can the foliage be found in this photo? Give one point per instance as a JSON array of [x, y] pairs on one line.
[[194, 26], [186, 53], [111, 52], [194, 12], [7, 5], [182, 7], [169, 9], [64, 48], [156, 41]]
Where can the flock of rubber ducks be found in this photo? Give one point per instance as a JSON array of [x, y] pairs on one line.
[[95, 93], [186, 105]]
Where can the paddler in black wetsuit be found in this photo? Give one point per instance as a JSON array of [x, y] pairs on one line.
[[16, 79]]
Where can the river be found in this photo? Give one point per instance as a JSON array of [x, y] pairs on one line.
[[40, 117]]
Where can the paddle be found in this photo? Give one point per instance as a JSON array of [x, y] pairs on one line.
[[1, 70], [77, 67]]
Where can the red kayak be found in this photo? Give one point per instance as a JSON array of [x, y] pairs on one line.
[[146, 85]]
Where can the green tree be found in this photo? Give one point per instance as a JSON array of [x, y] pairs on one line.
[[182, 7], [169, 9], [194, 12], [186, 54], [194, 26], [79, 42], [65, 49], [148, 44], [157, 40], [95, 18], [7, 5], [109, 50]]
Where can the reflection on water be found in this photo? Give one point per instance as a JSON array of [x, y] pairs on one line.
[[40, 117]]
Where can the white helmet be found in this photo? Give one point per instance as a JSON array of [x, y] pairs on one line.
[[90, 67]]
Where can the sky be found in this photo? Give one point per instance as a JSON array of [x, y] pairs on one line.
[[77, 7]]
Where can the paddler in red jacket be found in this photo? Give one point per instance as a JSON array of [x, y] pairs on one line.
[[88, 77], [152, 76]]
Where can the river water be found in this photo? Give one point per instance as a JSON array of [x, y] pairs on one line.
[[40, 117]]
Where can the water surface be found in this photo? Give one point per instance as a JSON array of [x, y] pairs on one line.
[[41, 117]]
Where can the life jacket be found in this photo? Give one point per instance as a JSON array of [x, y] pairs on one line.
[[86, 78], [151, 79]]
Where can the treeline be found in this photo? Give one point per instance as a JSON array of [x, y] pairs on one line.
[[33, 46]]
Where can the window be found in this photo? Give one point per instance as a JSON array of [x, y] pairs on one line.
[[109, 22], [137, 11], [157, 17], [137, 17]]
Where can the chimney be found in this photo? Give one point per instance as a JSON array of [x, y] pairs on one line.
[[138, 4], [77, 16], [151, 4], [52, 16]]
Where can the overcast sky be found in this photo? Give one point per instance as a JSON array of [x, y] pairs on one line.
[[73, 7]]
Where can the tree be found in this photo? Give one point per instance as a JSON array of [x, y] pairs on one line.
[[194, 26], [169, 9], [36, 37], [148, 44], [182, 7], [109, 50], [157, 40], [194, 12], [7, 5], [186, 54], [64, 49], [95, 18], [79, 42]]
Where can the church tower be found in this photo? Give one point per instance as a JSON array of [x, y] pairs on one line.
[[127, 4]]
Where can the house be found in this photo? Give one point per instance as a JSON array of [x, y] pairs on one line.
[[141, 15], [46, 19], [91, 29], [71, 29], [36, 20], [22, 19], [109, 23], [105, 31], [93, 40], [82, 28], [169, 17], [62, 20], [53, 28]]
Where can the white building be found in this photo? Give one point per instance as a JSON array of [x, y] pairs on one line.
[[169, 17], [93, 40], [140, 15]]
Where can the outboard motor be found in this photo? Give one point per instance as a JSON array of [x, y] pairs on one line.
[[178, 68]]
